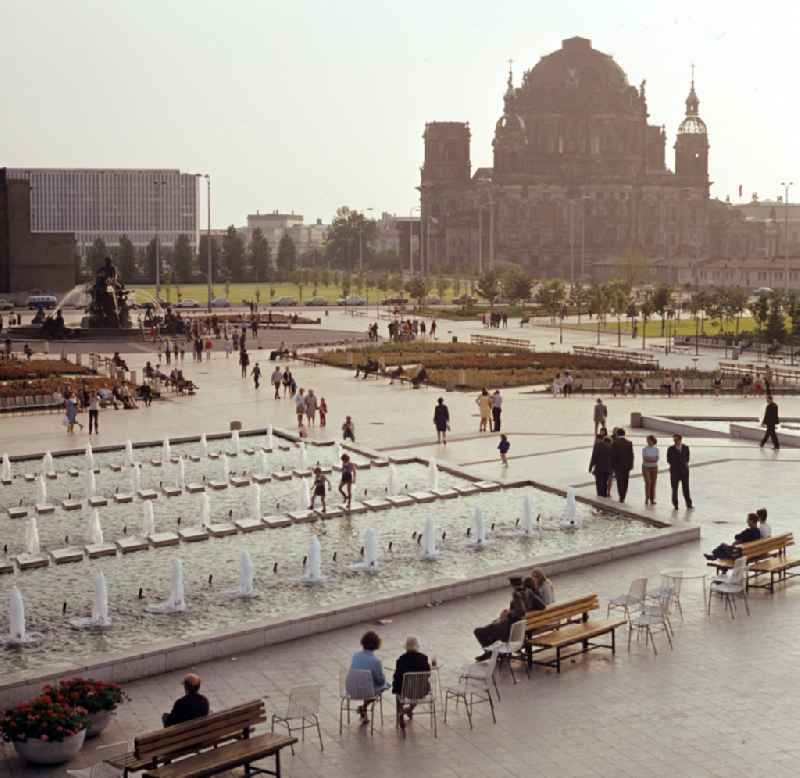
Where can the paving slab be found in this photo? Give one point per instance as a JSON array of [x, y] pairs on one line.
[[171, 491], [193, 534], [63, 556], [44, 508], [221, 529], [217, 486], [376, 504], [51, 475], [261, 478], [423, 496], [445, 494], [129, 545], [121, 498], [97, 550], [302, 517], [159, 539], [282, 475], [98, 501], [277, 522], [239, 481], [400, 500], [195, 487], [249, 525], [17, 512], [32, 561], [6, 566]]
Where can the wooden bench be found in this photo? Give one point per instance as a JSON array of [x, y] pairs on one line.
[[207, 746], [496, 340], [764, 556], [564, 624]]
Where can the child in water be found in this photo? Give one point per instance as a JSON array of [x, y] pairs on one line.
[[503, 449], [320, 482]]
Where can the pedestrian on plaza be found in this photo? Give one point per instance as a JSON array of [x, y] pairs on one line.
[[275, 380], [716, 384], [503, 448], [175, 350], [366, 660], [678, 461], [621, 461], [650, 455], [484, 403], [600, 464], [497, 409], [300, 406], [235, 340], [323, 412], [747, 535], [209, 346], [287, 381], [441, 420], [770, 421], [569, 382], [228, 346], [168, 351], [348, 479], [600, 415], [256, 373], [244, 361], [71, 413], [433, 329], [319, 490], [311, 408], [94, 412], [348, 429]]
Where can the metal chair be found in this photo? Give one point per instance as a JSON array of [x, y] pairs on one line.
[[357, 685], [730, 587], [474, 687], [511, 650], [652, 617], [417, 690], [304, 702], [633, 599], [102, 768]]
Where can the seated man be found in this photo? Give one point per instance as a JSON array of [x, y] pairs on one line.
[[192, 705], [371, 366], [500, 628], [420, 377], [747, 535], [411, 662]]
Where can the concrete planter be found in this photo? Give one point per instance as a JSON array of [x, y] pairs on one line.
[[46, 752], [98, 722]]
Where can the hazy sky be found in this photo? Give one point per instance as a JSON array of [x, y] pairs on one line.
[[308, 105]]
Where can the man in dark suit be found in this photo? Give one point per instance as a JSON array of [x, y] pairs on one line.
[[192, 705], [678, 461], [411, 662], [771, 420], [621, 461], [600, 464]]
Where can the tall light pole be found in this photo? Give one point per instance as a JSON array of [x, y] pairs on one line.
[[786, 185], [360, 242], [159, 184], [411, 236], [207, 177]]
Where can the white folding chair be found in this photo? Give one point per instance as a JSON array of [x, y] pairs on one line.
[[731, 586], [102, 768], [304, 702], [417, 690], [511, 650], [357, 685], [474, 687], [633, 599], [652, 617]]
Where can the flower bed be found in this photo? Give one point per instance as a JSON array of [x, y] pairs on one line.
[[18, 369], [53, 386]]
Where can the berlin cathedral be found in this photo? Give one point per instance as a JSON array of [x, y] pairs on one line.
[[580, 187]]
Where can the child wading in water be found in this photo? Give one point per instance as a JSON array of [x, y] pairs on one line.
[[320, 481], [323, 412], [348, 479], [503, 449]]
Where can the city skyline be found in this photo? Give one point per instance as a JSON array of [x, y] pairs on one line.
[[311, 111]]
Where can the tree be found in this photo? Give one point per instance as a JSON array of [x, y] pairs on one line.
[[287, 255], [517, 285], [598, 302], [342, 238], [396, 283], [776, 324], [489, 286], [735, 303], [550, 296], [97, 254], [417, 288], [760, 310], [182, 259], [346, 284], [125, 259], [661, 301], [619, 299], [150, 262], [260, 256], [578, 296], [233, 255], [646, 310], [299, 280], [202, 258], [442, 285]]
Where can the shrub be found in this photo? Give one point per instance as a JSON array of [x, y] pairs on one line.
[[92, 696], [47, 717]]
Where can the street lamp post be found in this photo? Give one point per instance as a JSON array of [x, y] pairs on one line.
[[360, 242], [159, 184], [411, 236], [786, 185]]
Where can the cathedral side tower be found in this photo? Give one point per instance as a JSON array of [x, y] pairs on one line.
[[691, 146]]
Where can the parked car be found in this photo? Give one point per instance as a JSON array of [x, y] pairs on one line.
[[465, 299], [316, 301], [433, 301], [41, 301], [220, 302], [6, 305], [188, 302], [356, 301], [395, 301], [285, 301]]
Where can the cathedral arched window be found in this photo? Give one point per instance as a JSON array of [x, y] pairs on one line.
[[560, 144], [595, 144]]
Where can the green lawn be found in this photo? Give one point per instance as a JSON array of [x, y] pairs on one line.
[[683, 327]]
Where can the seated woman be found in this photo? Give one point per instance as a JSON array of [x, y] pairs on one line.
[[366, 660], [413, 661], [538, 591], [498, 630]]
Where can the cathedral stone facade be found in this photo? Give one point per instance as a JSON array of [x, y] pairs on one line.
[[580, 186]]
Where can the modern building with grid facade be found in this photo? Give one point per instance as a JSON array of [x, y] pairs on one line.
[[107, 203]]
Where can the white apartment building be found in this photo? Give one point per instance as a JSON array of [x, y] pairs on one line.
[[107, 203], [306, 237]]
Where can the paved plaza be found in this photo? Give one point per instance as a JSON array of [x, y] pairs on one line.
[[720, 704]]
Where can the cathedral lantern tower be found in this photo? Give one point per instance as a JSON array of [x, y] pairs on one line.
[[510, 139], [691, 146]]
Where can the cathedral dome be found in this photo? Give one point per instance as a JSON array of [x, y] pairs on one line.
[[692, 124], [577, 77]]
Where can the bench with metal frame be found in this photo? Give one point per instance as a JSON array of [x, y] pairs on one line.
[[764, 556]]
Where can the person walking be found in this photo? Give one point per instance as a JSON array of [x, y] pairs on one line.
[[600, 415], [94, 412], [311, 408], [300, 406], [275, 380], [621, 462], [323, 412], [348, 429], [650, 455], [256, 373], [503, 448], [228, 348], [348, 479], [497, 409], [319, 490], [600, 464], [484, 403], [244, 361], [71, 412], [770, 421], [441, 420], [678, 461]]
